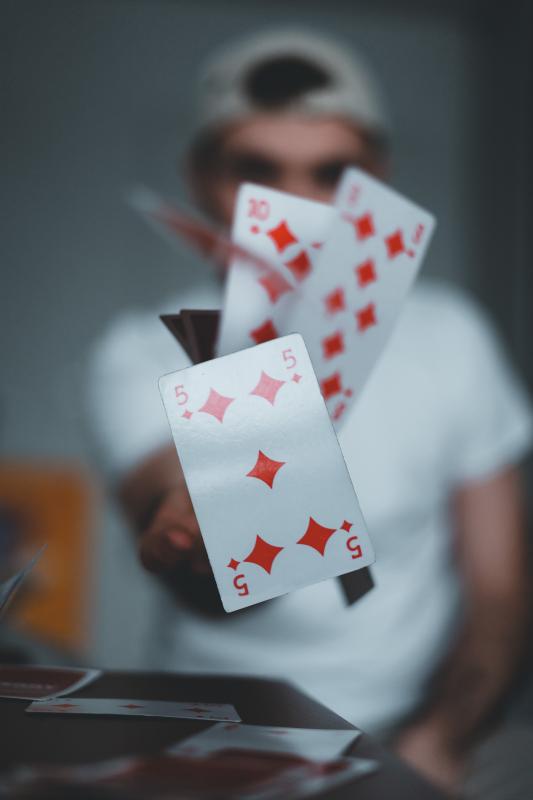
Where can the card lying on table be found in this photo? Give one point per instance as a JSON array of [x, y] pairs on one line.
[[240, 774], [312, 743], [109, 706], [267, 479], [23, 682]]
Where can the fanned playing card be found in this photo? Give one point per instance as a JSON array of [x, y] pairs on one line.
[[348, 307], [267, 479], [203, 325], [285, 231]]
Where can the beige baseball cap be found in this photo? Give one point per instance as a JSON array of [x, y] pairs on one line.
[[293, 70]]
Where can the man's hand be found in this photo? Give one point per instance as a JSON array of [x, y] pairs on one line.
[[424, 749], [173, 537], [156, 501], [475, 674]]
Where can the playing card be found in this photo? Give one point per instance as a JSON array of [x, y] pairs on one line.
[[313, 743], [175, 324], [178, 225], [137, 708], [9, 587], [201, 326], [239, 774], [348, 306], [265, 472], [24, 682], [287, 232]]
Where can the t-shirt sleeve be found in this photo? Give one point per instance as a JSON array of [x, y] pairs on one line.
[[126, 419], [494, 420]]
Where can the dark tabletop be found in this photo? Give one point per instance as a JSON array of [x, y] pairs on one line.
[[50, 739]]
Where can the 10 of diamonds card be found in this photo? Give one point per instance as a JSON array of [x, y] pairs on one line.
[[287, 232], [267, 479]]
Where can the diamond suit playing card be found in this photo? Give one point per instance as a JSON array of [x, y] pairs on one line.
[[348, 307], [267, 479], [113, 706], [311, 743], [287, 232]]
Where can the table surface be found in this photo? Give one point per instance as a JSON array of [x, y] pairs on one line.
[[60, 739]]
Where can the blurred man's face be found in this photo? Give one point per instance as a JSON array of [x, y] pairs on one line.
[[298, 155]]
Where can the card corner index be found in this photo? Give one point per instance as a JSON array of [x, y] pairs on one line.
[[169, 377]]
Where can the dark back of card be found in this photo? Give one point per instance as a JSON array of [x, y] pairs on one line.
[[175, 324], [201, 327]]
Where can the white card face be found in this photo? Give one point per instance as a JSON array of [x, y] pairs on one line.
[[245, 775], [312, 743], [136, 708], [267, 479], [288, 232], [347, 309]]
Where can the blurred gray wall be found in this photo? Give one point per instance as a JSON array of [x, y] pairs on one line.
[[97, 96]]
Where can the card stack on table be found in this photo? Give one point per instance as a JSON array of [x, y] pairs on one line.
[[278, 371], [245, 762]]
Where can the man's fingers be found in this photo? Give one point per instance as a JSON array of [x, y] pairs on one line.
[[162, 550], [179, 539]]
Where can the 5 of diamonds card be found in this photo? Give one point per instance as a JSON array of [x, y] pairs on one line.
[[267, 479]]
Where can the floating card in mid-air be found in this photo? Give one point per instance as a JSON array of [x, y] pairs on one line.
[[285, 231], [200, 346], [347, 308], [267, 479]]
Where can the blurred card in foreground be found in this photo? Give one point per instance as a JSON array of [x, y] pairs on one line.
[[42, 683]]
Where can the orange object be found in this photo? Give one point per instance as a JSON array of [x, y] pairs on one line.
[[50, 504]]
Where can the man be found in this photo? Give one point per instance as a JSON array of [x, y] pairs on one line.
[[431, 447]]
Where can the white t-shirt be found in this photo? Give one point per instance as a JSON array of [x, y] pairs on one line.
[[441, 407]]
